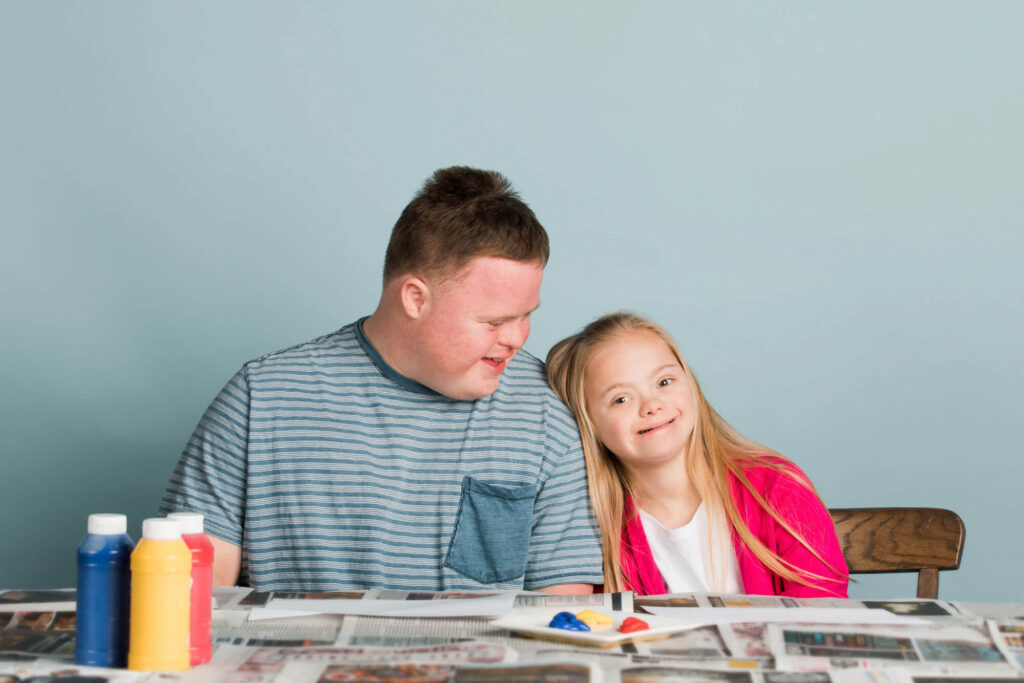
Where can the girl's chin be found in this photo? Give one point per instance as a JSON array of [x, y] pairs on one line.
[[656, 461]]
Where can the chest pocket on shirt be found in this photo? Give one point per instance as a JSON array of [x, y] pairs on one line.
[[491, 540]]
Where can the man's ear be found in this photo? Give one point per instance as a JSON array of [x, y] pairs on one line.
[[415, 295]]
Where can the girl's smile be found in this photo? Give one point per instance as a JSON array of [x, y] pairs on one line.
[[649, 430]]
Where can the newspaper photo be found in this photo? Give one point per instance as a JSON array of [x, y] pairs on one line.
[[938, 648], [37, 633]]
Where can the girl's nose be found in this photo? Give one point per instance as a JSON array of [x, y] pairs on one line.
[[650, 406]]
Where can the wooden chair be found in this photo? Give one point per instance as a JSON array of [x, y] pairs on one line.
[[885, 540]]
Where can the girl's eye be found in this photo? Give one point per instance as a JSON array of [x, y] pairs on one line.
[[665, 382], [620, 400]]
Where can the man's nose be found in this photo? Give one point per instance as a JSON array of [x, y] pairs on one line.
[[514, 334]]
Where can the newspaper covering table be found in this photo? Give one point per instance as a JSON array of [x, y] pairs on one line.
[[937, 641]]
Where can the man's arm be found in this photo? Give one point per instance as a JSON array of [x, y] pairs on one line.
[[210, 476], [568, 589], [565, 547], [227, 561]]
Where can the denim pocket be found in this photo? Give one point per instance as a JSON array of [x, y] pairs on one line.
[[491, 540]]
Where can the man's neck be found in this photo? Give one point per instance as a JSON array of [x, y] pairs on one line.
[[378, 330]]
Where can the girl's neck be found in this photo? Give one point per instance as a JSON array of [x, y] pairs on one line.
[[666, 493]]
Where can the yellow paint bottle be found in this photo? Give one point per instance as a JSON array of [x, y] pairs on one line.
[[161, 581]]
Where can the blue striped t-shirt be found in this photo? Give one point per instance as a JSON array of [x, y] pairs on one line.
[[334, 472]]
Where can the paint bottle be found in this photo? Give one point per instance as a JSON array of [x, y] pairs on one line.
[[101, 620], [200, 648], [161, 574]]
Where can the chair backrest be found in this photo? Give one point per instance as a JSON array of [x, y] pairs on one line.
[[883, 540]]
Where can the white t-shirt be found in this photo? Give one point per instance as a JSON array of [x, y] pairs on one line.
[[686, 561]]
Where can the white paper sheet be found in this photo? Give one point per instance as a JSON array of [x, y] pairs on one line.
[[805, 615], [486, 606]]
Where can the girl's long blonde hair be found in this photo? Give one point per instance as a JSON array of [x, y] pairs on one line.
[[715, 452]]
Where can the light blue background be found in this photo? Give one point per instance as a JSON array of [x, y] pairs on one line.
[[821, 201]]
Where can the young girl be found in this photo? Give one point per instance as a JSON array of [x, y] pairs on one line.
[[684, 501]]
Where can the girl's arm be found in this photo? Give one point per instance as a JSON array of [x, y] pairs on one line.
[[803, 510]]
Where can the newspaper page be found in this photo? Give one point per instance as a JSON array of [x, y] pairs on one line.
[[233, 627], [737, 644], [908, 607], [740, 642], [397, 633], [937, 648], [748, 640], [961, 678], [228, 597], [610, 602], [1005, 611], [529, 672], [740, 600], [708, 664], [655, 673], [36, 633], [681, 673], [699, 643], [48, 672], [767, 601], [1009, 638], [670, 600], [930, 609], [702, 647], [234, 664], [57, 600], [453, 662], [915, 607], [244, 598], [408, 632]]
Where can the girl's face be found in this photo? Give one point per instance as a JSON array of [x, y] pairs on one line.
[[640, 400]]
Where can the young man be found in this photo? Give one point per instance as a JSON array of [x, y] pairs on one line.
[[417, 448]]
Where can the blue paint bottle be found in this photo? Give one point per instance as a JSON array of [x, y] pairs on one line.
[[104, 582]]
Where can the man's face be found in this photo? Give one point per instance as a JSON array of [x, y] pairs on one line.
[[474, 323]]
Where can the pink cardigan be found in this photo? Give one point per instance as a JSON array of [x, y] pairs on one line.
[[795, 503]]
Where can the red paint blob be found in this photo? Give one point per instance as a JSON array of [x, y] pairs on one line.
[[632, 624]]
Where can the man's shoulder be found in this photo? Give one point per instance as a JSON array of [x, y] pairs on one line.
[[525, 377], [524, 382], [328, 349]]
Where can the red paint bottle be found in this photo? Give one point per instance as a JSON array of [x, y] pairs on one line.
[[200, 647]]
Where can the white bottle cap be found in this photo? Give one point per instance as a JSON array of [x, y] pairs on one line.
[[107, 524], [160, 529], [191, 522]]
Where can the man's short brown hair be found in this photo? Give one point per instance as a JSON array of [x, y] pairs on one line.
[[461, 213]]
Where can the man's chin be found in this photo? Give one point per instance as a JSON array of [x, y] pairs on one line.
[[475, 390]]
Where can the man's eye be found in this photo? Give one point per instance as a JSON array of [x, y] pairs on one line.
[[496, 323], [665, 382]]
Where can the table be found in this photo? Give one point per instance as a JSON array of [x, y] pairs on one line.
[[980, 641]]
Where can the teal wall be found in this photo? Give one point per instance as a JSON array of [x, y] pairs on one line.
[[822, 201]]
